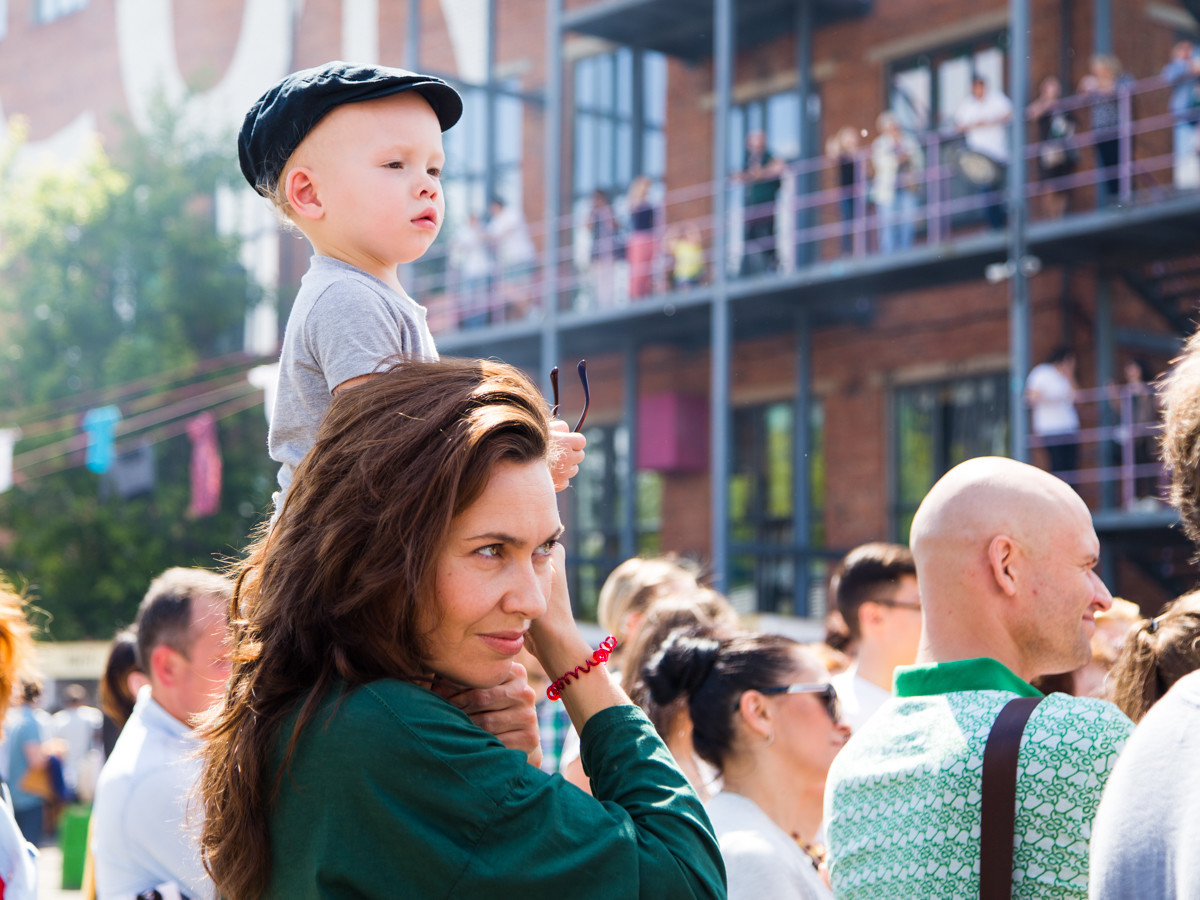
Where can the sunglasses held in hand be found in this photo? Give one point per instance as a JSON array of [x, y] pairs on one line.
[[587, 394]]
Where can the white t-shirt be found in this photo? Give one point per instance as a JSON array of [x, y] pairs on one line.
[[990, 140], [1053, 408], [510, 238], [858, 697], [762, 862]]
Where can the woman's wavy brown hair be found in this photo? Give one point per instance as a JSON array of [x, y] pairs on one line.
[[332, 592], [1156, 655]]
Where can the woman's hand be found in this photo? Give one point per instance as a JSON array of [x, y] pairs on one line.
[[567, 453], [506, 711]]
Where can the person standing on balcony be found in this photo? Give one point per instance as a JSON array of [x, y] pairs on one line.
[[515, 256], [897, 160], [641, 249], [471, 264], [1102, 85], [842, 151], [1183, 74], [983, 119], [604, 235], [762, 178], [1056, 157], [1050, 392]]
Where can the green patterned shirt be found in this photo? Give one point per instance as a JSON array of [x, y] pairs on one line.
[[902, 802]]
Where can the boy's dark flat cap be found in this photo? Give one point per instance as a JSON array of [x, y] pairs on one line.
[[281, 118]]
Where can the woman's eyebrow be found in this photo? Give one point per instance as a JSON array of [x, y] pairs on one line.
[[500, 537]]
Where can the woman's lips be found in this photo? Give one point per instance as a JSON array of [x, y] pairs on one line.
[[507, 643]]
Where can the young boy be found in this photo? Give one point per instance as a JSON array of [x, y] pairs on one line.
[[352, 156]]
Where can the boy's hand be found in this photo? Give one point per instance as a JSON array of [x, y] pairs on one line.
[[567, 453], [506, 711]]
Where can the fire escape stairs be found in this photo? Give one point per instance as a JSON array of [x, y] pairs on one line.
[[1170, 288]]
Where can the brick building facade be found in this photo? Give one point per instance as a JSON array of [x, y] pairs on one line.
[[871, 373]]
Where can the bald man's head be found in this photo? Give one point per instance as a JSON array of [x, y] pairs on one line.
[[1005, 556], [991, 495]]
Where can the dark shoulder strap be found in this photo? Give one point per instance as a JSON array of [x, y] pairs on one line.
[[999, 802]]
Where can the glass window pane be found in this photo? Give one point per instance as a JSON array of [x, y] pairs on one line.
[[624, 153], [911, 97], [783, 125], [509, 114], [585, 154], [654, 67], [737, 139], [954, 84], [654, 155], [585, 83], [624, 100], [990, 64], [605, 83]]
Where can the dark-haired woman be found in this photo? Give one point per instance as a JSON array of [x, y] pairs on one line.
[[763, 713], [419, 544]]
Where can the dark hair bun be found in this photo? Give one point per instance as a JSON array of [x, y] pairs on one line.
[[679, 666]]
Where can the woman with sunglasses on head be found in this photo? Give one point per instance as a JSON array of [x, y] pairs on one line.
[[764, 714], [419, 548]]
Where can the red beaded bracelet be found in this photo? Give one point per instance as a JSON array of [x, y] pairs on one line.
[[603, 652]]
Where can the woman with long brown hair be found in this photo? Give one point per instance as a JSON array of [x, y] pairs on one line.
[[419, 543]]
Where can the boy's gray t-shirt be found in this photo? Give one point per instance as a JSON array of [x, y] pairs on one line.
[[344, 323]]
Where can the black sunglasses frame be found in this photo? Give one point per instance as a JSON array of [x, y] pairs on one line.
[[587, 393]]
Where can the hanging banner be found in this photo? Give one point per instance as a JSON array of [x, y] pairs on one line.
[[8, 440], [206, 466], [100, 425]]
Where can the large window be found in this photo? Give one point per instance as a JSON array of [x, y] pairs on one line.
[[764, 556], [938, 425], [468, 149], [619, 120], [476, 165], [778, 117], [598, 514], [925, 90]]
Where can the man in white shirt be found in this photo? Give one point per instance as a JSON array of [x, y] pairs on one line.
[[875, 589], [983, 119], [78, 726], [1050, 393], [145, 828]]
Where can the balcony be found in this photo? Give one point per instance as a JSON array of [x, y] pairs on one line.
[[670, 26], [825, 250]]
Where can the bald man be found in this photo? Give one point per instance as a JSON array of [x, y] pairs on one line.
[[1006, 558]]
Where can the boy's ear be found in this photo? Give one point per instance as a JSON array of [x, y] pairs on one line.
[[300, 187]]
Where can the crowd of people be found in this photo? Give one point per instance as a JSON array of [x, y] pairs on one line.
[[633, 248], [350, 710]]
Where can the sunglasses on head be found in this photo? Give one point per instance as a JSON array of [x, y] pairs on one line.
[[826, 691]]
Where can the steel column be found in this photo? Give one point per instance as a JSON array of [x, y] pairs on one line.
[[721, 419], [553, 175], [1019, 311], [801, 461]]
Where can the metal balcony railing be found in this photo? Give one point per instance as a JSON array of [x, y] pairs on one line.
[[813, 219], [1119, 464]]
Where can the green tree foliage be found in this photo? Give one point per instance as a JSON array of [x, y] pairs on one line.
[[110, 273]]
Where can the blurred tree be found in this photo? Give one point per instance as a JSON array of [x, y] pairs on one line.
[[109, 273]]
